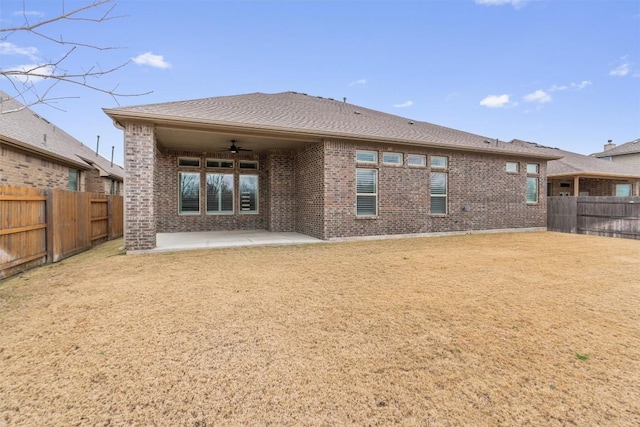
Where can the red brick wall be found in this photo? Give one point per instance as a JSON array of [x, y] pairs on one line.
[[169, 220], [280, 195], [26, 169], [309, 191], [491, 197]]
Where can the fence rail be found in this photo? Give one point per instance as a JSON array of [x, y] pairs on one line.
[[601, 216], [40, 226]]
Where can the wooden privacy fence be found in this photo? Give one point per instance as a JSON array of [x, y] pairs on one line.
[[40, 226], [600, 216]]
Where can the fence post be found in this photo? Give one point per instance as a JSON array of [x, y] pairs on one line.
[[50, 218]]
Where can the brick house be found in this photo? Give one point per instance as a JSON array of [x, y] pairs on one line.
[[36, 153], [317, 166], [627, 154], [579, 175]]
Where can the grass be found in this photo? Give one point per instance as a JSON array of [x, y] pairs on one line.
[[447, 331]]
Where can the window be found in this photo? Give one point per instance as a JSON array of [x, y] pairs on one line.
[[512, 167], [189, 202], [248, 164], [623, 190], [189, 161], [115, 187], [532, 183], [366, 156], [219, 193], [392, 158], [248, 193], [438, 162], [366, 192], [219, 163], [73, 180], [438, 186], [416, 160], [532, 189]]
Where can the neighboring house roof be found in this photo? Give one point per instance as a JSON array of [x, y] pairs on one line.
[[631, 147], [23, 128], [574, 164], [295, 114]]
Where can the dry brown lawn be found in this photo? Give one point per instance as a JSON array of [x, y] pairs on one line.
[[504, 329]]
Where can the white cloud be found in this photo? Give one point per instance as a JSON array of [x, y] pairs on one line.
[[495, 101], [358, 82], [623, 69], [577, 86], [515, 3], [538, 96], [148, 58], [30, 73], [404, 104], [7, 48], [28, 13]]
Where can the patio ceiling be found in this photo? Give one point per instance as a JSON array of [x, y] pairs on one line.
[[212, 141]]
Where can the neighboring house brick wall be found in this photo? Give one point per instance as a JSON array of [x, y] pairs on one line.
[[140, 166], [26, 169], [601, 187], [309, 191]]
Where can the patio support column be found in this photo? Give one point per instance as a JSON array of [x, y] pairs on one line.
[[576, 186], [139, 208], [281, 192]]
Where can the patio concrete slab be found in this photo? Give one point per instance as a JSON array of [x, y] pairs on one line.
[[227, 239]]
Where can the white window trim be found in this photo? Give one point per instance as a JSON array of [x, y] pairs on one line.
[[233, 164], [537, 172], [233, 195], [253, 162], [367, 216], [438, 167], [517, 164], [367, 162], [257, 211], [422, 157], [395, 154], [189, 158], [444, 196], [531, 202], [180, 212]]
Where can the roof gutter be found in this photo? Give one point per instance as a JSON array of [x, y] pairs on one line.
[[591, 174], [120, 116]]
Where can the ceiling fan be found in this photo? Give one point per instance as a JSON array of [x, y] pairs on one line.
[[235, 149]]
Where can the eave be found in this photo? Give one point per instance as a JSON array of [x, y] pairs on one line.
[[43, 153], [303, 135]]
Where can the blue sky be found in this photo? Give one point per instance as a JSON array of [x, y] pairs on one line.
[[560, 73]]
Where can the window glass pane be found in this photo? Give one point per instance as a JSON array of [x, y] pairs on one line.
[[248, 165], [366, 181], [438, 183], [623, 190], [189, 192], [219, 193], [438, 205], [532, 190], [532, 168], [73, 180], [367, 156], [416, 160], [189, 161], [366, 205], [216, 163], [438, 162], [248, 193], [392, 158], [512, 167], [366, 192]]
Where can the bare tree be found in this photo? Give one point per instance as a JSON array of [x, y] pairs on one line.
[[35, 84]]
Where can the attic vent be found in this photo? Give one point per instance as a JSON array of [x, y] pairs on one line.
[[410, 123], [356, 112]]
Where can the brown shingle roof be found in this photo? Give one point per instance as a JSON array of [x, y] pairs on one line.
[[572, 164], [630, 147], [293, 112], [22, 127]]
